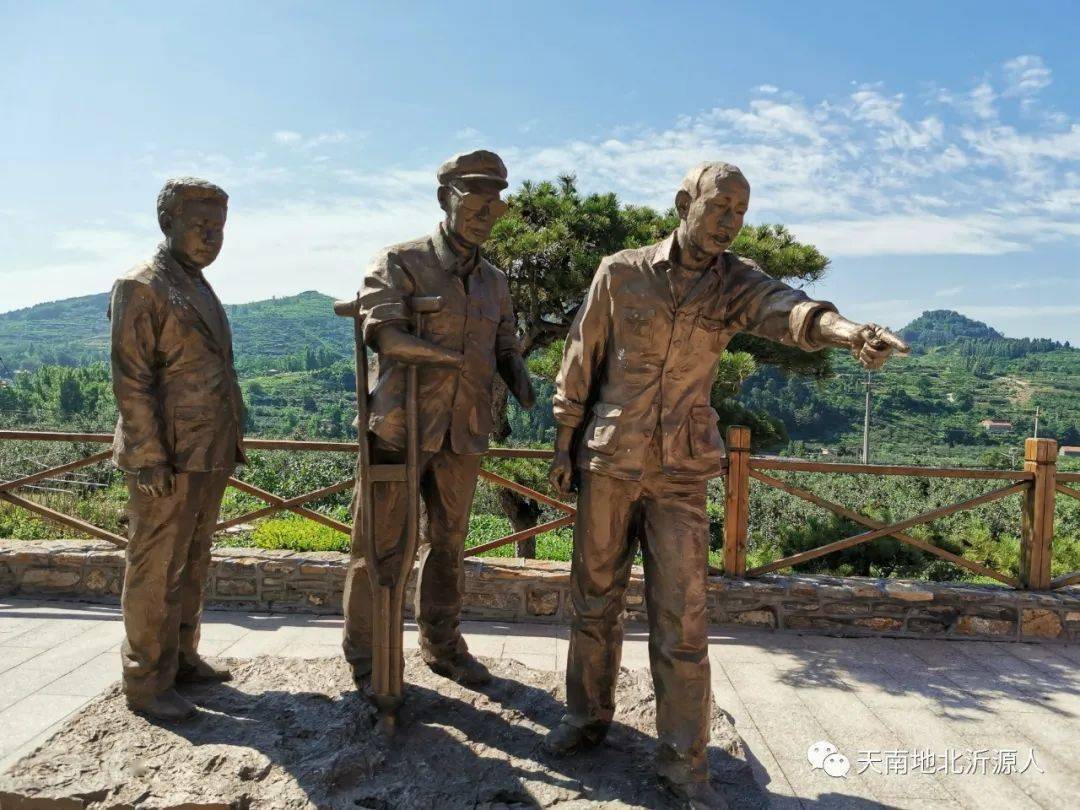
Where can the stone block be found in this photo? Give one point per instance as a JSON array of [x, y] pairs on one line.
[[542, 601], [1040, 622], [879, 623], [983, 626], [224, 586], [49, 578], [926, 626], [96, 580], [755, 618], [867, 589], [510, 602], [831, 591], [908, 592], [846, 609]]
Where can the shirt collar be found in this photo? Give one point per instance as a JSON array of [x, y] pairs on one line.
[[452, 255], [664, 255]]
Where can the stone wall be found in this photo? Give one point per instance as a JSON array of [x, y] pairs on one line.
[[536, 591]]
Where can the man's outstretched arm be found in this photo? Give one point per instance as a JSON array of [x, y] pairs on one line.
[[869, 343]]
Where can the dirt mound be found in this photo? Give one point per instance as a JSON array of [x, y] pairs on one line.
[[291, 733]]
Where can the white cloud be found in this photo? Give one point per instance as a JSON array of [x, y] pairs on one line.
[[767, 88], [1025, 75], [867, 174], [469, 134], [949, 292]]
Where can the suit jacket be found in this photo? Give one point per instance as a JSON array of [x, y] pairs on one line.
[[637, 361], [477, 319], [172, 372]]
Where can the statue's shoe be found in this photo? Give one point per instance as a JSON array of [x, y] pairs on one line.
[[463, 668], [695, 795], [170, 705], [566, 739], [201, 671]]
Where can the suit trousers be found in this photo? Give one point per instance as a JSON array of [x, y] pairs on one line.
[[447, 485], [670, 519], [168, 555]]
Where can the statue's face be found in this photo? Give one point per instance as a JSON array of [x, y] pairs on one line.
[[471, 214], [196, 235], [715, 216]]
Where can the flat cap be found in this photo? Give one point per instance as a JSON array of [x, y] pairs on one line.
[[478, 166]]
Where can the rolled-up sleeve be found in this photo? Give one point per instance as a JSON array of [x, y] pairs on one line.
[[584, 351], [768, 308], [384, 295]]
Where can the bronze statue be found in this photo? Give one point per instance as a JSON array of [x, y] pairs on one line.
[[178, 440], [466, 337], [633, 396]]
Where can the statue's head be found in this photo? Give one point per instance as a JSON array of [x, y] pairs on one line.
[[191, 213], [469, 188], [711, 203]]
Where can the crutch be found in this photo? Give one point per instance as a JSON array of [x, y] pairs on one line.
[[387, 586]]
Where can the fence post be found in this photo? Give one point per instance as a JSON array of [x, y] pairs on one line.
[[736, 500], [1037, 525]]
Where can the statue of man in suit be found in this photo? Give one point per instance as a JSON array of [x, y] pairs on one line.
[[178, 440]]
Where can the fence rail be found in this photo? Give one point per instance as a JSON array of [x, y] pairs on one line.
[[1038, 483]]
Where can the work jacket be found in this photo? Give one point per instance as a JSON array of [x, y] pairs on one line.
[[172, 372], [637, 361], [476, 319]]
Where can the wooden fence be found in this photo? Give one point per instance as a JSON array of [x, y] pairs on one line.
[[1039, 482]]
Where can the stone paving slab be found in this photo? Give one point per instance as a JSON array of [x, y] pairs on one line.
[[784, 691]]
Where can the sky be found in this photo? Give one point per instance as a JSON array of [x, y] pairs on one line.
[[931, 150]]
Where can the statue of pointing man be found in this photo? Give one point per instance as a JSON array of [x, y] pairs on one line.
[[633, 396]]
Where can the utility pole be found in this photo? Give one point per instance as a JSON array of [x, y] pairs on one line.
[[1036, 422], [866, 425]]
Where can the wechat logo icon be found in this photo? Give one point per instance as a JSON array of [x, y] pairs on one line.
[[824, 755]]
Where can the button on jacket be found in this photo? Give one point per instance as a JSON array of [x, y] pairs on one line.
[[477, 319], [172, 369], [641, 362]]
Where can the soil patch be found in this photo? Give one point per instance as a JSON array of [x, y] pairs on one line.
[[294, 733]]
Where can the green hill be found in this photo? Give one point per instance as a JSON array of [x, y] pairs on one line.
[[929, 406], [75, 331], [295, 363]]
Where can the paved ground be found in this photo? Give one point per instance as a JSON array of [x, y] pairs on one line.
[[912, 716]]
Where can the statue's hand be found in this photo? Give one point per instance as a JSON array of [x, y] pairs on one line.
[[561, 472], [157, 482], [872, 345]]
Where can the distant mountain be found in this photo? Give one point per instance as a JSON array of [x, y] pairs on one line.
[[939, 327], [949, 331], [75, 331]]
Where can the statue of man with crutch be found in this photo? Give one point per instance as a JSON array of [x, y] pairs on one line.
[[436, 308]]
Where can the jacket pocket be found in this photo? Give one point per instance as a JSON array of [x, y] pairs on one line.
[[708, 332], [195, 428], [638, 320], [604, 432], [704, 433], [480, 419]]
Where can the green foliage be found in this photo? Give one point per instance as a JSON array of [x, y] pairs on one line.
[[298, 534], [550, 243]]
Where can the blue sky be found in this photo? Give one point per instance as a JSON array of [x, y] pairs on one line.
[[932, 150]]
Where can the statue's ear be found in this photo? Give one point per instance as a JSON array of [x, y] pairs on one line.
[[444, 198], [682, 203]]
